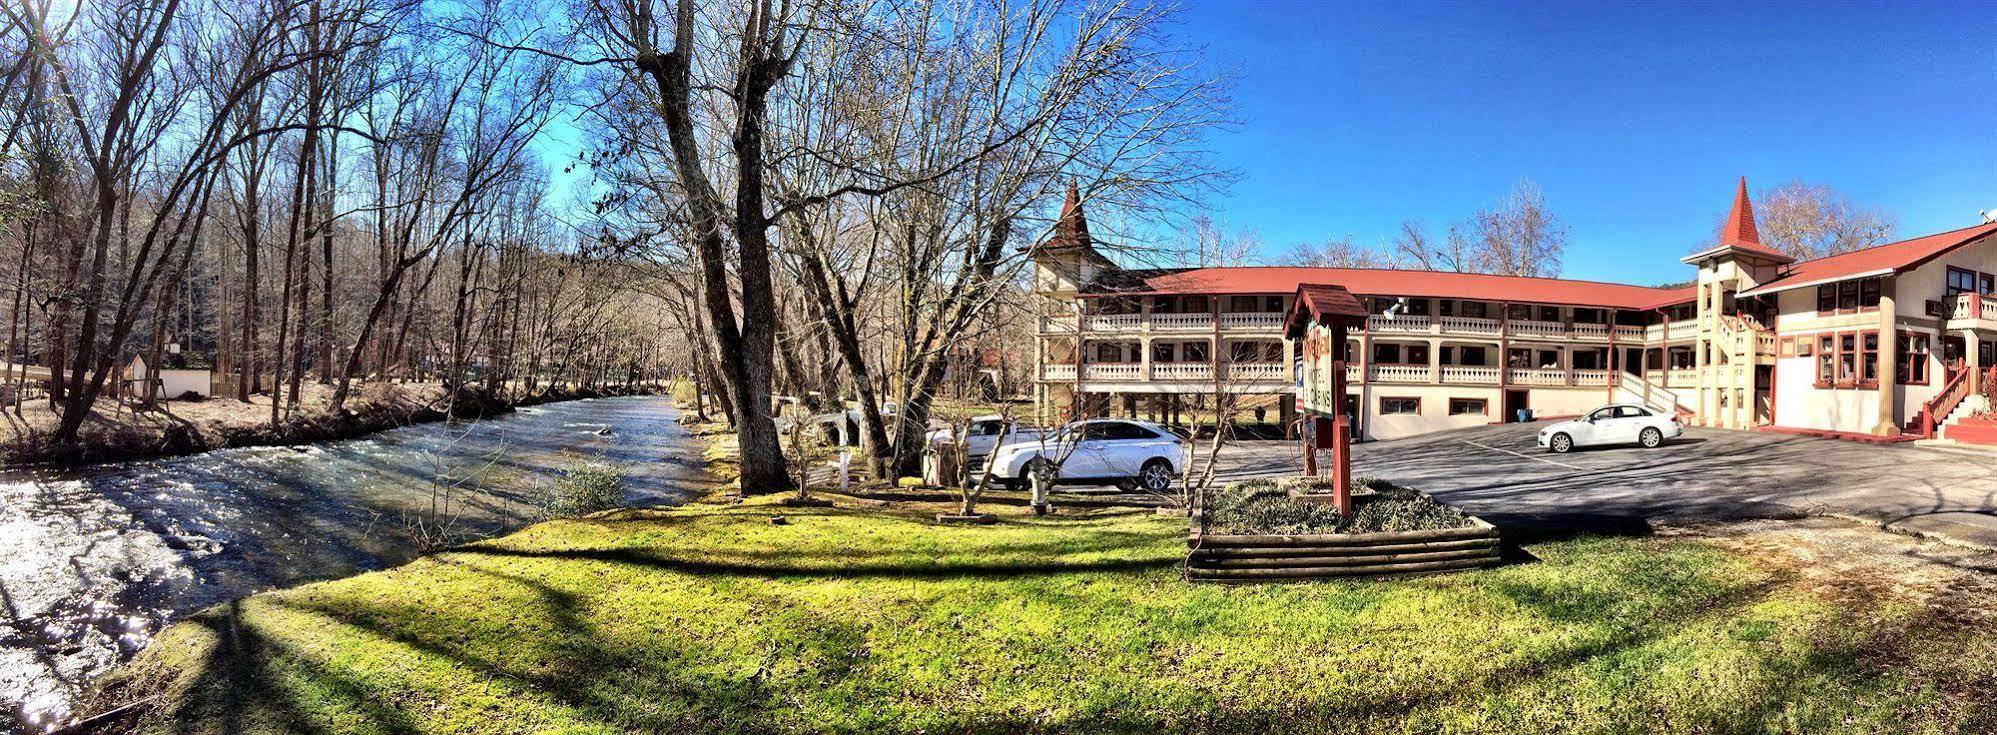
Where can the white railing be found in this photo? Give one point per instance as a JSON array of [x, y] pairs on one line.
[[1469, 325], [1112, 322], [1062, 324], [1176, 322], [1591, 377], [1258, 371], [1251, 320], [1764, 343], [1628, 333], [1351, 374], [1116, 371], [1538, 376], [1591, 331], [1682, 378], [1182, 371], [1472, 374], [1397, 323], [1973, 306], [1400, 373], [1535, 328], [1682, 329], [1057, 372]]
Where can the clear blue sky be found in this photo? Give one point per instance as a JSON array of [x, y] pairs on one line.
[[1633, 119]]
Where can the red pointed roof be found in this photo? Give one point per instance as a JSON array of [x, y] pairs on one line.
[[1073, 228], [1739, 228], [1739, 235]]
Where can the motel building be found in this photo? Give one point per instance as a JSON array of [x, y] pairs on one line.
[[1883, 343]]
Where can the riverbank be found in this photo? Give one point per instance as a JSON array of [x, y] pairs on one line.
[[188, 427], [867, 617]]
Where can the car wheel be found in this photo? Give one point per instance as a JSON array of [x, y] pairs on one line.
[[1560, 443], [1156, 476], [1650, 438]]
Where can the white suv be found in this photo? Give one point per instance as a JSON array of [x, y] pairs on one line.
[[1132, 454]]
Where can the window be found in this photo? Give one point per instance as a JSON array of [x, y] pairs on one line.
[[1196, 352], [1162, 352], [1847, 359], [1787, 347], [1912, 367], [1868, 358], [1826, 360], [1868, 293], [1474, 310], [1470, 356], [1273, 303], [1630, 412], [1400, 406], [1109, 352], [1590, 316], [1848, 296], [1239, 304], [1549, 313], [1827, 298], [1466, 406], [1386, 354], [1603, 414], [1116, 430], [1961, 281], [1986, 284], [1195, 305]]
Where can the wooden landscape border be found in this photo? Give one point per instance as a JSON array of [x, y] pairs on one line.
[[1280, 557]]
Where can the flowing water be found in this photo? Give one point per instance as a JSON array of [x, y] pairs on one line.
[[94, 561]]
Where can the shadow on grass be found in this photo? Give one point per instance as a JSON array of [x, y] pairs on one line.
[[560, 648]]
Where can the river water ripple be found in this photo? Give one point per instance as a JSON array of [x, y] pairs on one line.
[[94, 561]]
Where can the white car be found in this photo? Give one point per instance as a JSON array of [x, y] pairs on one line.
[[1132, 454], [982, 436], [1616, 423]]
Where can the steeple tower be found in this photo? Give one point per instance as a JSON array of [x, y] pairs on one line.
[[1073, 229], [1739, 228]]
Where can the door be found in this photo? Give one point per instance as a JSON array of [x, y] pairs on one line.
[[1598, 427], [1085, 459], [1515, 401], [1124, 447]]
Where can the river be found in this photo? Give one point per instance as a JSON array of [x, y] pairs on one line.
[[94, 561]]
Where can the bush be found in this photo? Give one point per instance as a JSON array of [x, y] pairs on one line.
[[584, 489], [1265, 507]]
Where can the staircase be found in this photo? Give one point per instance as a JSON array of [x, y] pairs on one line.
[[1642, 391]]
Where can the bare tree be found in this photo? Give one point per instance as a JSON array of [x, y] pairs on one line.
[[1810, 221], [1338, 252]]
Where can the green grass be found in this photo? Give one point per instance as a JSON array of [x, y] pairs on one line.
[[710, 619]]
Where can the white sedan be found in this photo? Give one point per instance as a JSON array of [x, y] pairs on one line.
[[1619, 423], [1132, 454]]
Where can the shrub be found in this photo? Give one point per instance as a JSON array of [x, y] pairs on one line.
[[585, 488], [1265, 507]]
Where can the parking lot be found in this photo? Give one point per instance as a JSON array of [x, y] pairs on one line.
[[1705, 476]]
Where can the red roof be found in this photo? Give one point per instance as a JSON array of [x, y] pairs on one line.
[[1880, 260], [1426, 284]]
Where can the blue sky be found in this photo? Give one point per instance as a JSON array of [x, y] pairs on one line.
[[1633, 119]]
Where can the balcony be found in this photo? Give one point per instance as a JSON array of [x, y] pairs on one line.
[[1057, 372], [1973, 311], [1471, 325], [1399, 374], [1682, 329], [1182, 371], [1403, 323], [1470, 375], [1249, 321], [1259, 372], [1537, 376]]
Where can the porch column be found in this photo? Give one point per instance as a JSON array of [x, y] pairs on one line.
[[1974, 359], [1434, 361], [1888, 425]]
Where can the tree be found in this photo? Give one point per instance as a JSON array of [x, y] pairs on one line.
[[1809, 221], [1519, 237], [1338, 252]]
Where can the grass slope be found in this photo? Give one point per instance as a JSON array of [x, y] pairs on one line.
[[710, 619]]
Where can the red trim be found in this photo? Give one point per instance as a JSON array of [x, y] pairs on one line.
[[1848, 436]]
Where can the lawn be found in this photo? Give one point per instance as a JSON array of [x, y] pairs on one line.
[[712, 619]]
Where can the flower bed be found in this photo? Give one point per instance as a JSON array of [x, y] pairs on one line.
[[1270, 529]]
